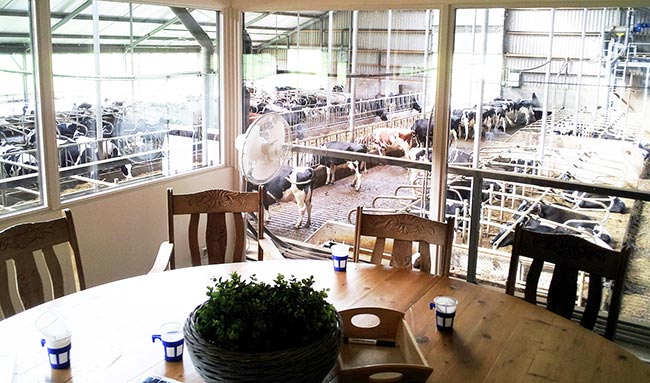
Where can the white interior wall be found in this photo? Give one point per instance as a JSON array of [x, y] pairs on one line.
[[119, 233]]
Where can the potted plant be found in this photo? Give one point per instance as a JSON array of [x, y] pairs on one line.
[[251, 331]]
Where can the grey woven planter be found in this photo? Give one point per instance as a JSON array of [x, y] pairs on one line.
[[310, 363]]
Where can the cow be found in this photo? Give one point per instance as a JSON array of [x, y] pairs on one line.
[[554, 214], [83, 150], [460, 189], [291, 184], [586, 200], [458, 156], [423, 132], [332, 163], [384, 138], [17, 161]]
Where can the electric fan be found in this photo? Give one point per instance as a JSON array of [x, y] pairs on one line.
[[264, 148]]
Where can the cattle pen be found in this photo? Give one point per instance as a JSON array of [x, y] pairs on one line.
[[392, 188]]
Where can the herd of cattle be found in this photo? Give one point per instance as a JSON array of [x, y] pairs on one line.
[[76, 142], [414, 144], [309, 110], [77, 146]]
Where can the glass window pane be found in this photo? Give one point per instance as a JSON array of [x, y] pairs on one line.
[[561, 94], [149, 73], [343, 76], [20, 185]]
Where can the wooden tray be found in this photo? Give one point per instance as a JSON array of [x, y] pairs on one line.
[[379, 352]]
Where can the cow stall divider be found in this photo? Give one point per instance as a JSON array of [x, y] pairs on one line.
[[478, 176]]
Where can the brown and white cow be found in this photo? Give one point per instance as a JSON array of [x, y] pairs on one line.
[[384, 138]]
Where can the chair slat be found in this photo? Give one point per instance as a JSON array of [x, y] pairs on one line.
[[193, 239], [560, 299], [532, 281], [240, 238], [216, 238], [378, 251], [425, 256], [56, 273], [6, 304], [401, 256], [29, 280], [590, 314]]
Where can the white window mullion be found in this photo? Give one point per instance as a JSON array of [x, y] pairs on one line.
[[45, 114]]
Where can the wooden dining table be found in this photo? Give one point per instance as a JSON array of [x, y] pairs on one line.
[[496, 337]]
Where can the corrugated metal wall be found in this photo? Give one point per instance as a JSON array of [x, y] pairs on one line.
[[526, 44], [517, 42]]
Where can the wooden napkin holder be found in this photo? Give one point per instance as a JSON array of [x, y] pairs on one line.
[[378, 346]]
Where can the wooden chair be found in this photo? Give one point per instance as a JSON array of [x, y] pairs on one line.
[[405, 229], [31, 272], [569, 254], [216, 204]]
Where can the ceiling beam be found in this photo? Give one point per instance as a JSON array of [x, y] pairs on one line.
[[258, 18], [153, 32], [72, 15], [120, 19], [293, 30]]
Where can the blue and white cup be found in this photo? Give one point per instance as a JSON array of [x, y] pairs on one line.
[[340, 256], [58, 352], [445, 312], [171, 336], [57, 338]]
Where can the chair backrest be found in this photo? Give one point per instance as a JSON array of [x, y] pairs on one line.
[[216, 205], [31, 272], [405, 230], [570, 254]]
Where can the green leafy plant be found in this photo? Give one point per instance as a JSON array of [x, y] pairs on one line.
[[253, 316]]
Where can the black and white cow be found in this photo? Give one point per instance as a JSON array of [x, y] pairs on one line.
[[17, 161], [332, 163], [586, 200], [423, 132], [83, 150], [554, 214], [291, 184]]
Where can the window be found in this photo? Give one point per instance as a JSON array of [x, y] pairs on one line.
[[561, 94], [149, 74], [20, 183]]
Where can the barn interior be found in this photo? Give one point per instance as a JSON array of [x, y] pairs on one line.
[[562, 94]]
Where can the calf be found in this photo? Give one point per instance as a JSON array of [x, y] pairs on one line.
[[332, 163], [291, 184]]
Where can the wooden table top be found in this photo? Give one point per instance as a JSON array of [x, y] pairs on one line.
[[496, 337]]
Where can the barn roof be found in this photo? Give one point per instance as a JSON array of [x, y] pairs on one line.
[[153, 27]]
